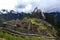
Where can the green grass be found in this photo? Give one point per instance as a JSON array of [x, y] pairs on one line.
[[43, 26], [33, 22], [8, 36], [40, 25], [36, 23]]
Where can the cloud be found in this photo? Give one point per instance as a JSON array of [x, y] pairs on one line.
[[44, 5], [29, 5], [7, 4]]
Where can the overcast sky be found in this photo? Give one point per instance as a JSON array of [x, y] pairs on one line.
[[29, 5]]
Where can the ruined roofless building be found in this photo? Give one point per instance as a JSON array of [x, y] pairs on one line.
[[39, 11]]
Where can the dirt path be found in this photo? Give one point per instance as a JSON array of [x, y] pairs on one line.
[[2, 39]]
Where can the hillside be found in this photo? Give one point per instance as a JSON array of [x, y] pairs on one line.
[[26, 26], [31, 27]]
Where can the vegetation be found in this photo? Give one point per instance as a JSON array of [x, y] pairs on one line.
[[36, 22], [8, 36], [39, 24]]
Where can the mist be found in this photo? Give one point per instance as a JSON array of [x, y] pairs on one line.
[[30, 5]]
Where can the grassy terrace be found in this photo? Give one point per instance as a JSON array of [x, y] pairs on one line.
[[40, 25], [36, 23], [8, 36]]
